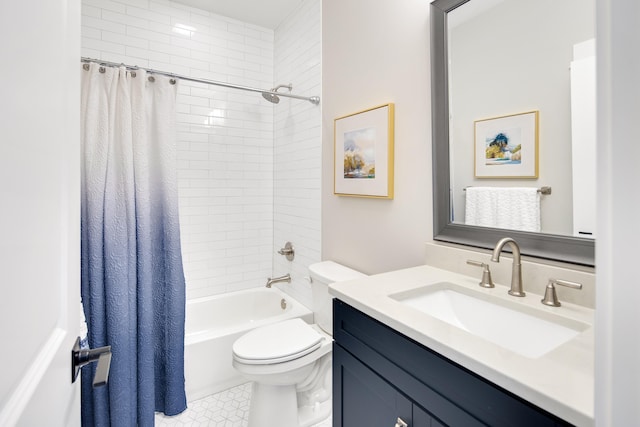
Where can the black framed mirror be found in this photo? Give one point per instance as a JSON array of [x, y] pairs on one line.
[[565, 248]]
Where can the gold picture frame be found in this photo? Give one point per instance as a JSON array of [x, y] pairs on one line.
[[363, 153], [507, 146]]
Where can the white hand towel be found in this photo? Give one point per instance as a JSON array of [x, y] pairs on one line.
[[514, 208]]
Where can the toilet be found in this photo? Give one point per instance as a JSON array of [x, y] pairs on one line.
[[289, 362]]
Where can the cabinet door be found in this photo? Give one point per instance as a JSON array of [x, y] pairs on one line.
[[362, 398], [422, 418]]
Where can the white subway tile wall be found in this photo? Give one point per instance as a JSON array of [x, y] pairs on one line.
[[225, 137], [297, 173]]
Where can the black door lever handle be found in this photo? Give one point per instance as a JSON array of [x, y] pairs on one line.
[[81, 357]]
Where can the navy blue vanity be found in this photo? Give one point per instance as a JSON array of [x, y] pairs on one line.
[[383, 378]]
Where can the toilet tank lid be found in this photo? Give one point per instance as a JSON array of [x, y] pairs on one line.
[[330, 271]]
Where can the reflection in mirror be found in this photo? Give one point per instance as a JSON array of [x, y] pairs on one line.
[[492, 61], [509, 57]]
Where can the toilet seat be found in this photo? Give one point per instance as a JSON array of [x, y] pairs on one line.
[[277, 343]]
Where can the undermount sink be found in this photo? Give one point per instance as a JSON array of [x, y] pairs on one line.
[[521, 329]]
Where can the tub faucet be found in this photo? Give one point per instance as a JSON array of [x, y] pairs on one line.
[[516, 271], [285, 278]]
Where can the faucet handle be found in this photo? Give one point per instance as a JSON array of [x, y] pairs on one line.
[[550, 295], [486, 281]]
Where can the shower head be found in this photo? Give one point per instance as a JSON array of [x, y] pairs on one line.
[[271, 95]]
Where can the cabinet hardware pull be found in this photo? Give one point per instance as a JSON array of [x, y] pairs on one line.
[[401, 423]]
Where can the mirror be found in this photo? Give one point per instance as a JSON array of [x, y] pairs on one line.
[[485, 67]]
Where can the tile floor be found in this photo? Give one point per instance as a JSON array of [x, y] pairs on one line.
[[229, 408]]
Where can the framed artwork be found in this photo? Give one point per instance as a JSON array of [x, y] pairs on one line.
[[363, 153], [507, 146]]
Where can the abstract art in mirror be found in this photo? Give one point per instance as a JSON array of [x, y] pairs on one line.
[[363, 153], [507, 146]]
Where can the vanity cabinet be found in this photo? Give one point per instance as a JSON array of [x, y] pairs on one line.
[[380, 375]]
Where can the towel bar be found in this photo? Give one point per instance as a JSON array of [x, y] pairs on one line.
[[542, 190]]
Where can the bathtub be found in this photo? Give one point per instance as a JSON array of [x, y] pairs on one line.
[[214, 323]]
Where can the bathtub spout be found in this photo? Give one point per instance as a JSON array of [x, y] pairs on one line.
[[285, 278]]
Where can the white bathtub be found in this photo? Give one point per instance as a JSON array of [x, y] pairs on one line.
[[214, 323]]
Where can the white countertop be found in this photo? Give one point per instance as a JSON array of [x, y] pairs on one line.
[[561, 381]]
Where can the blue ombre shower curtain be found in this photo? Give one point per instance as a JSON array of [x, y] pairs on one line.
[[133, 288]]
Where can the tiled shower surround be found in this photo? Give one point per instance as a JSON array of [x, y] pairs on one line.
[[249, 171]]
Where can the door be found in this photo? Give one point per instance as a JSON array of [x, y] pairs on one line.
[[39, 211]]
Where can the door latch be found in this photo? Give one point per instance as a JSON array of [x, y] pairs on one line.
[[81, 357]]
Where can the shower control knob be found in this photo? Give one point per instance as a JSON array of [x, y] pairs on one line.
[[288, 251]]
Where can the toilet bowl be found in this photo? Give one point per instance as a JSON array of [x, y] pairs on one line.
[[289, 362]]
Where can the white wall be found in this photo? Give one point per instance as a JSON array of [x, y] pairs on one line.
[[376, 52], [297, 154], [229, 167], [618, 296]]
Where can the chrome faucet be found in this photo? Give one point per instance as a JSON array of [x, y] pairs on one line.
[[516, 271], [286, 278]]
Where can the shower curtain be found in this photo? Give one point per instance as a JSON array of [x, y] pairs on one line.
[[133, 288]]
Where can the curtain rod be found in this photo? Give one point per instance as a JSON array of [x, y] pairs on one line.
[[312, 99]]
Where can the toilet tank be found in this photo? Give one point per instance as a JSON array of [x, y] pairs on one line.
[[322, 274]]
